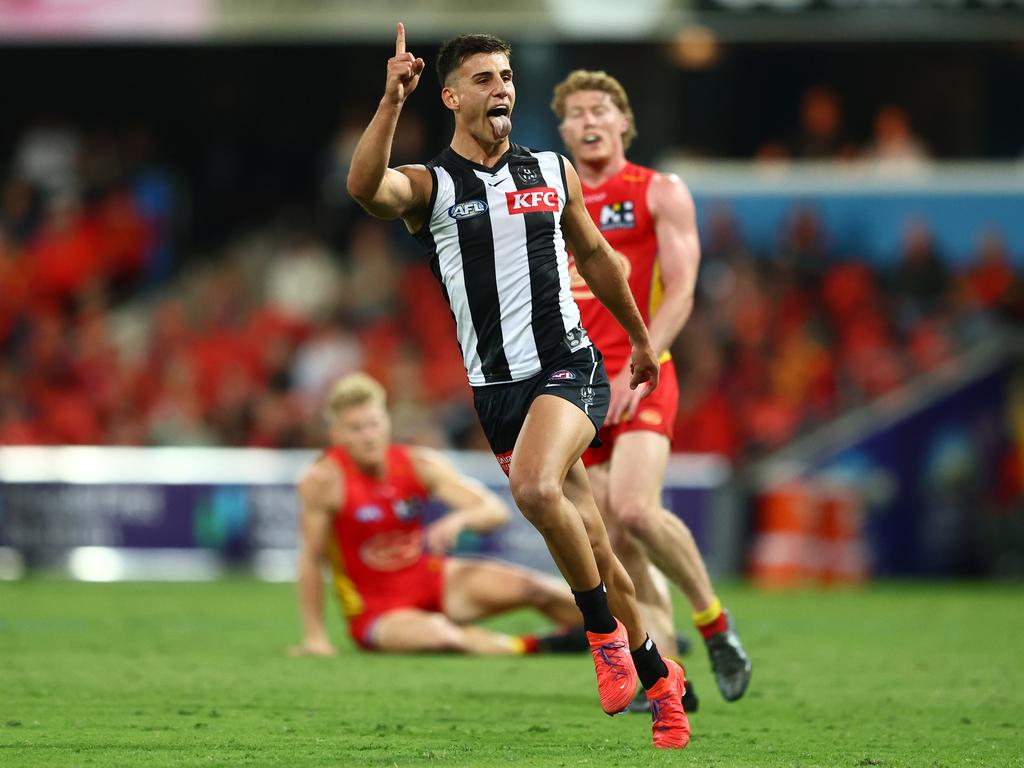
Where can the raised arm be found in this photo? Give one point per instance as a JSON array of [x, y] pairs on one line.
[[390, 193], [471, 506], [675, 224], [320, 496], [598, 266]]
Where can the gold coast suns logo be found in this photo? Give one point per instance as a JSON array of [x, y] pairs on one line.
[[392, 550], [579, 287]]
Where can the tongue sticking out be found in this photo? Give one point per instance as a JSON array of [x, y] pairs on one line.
[[501, 126]]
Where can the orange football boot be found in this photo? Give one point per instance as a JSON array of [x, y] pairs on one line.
[[669, 724], [616, 675]]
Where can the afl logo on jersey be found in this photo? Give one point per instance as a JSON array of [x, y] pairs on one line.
[[369, 513], [467, 209], [617, 216]]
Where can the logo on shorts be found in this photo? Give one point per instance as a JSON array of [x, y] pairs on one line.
[[562, 375], [617, 216], [587, 395], [369, 513], [467, 209], [532, 200], [504, 461], [649, 416]]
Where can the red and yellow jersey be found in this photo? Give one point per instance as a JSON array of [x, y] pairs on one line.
[[377, 544], [619, 208]]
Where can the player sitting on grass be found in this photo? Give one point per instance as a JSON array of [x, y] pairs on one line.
[[361, 506]]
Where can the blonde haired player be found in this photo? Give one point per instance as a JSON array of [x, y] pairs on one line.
[[649, 218], [361, 505]]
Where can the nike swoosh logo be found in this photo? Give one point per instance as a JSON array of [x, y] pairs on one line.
[[499, 181]]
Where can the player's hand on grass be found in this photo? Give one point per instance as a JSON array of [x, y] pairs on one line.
[[404, 71], [320, 646], [624, 401], [643, 367], [442, 534]]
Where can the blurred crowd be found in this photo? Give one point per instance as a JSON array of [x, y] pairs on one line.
[[821, 133], [780, 342], [105, 339]]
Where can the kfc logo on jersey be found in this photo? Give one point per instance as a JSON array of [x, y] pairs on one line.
[[532, 200], [617, 216]]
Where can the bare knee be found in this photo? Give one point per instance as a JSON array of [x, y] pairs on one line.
[[445, 637], [538, 591], [636, 517], [536, 496]]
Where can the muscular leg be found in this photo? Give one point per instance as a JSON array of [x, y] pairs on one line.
[[621, 593], [476, 589], [410, 630], [635, 481], [652, 595], [552, 439]]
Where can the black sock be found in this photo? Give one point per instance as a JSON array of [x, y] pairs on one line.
[[593, 604], [649, 664], [567, 641]]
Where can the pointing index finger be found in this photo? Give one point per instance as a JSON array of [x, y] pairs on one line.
[[400, 39]]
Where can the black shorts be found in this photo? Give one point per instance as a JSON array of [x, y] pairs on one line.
[[579, 378]]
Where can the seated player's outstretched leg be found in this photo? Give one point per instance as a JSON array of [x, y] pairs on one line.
[[409, 630], [475, 589]]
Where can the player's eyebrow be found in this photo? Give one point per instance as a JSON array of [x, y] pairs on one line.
[[487, 73]]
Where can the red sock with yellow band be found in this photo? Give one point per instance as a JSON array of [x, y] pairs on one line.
[[711, 620]]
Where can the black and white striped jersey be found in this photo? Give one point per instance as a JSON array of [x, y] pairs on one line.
[[494, 238]]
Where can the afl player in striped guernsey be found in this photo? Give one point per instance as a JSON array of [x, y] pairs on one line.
[[649, 218], [495, 220]]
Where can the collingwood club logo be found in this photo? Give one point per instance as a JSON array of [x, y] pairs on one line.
[[526, 174]]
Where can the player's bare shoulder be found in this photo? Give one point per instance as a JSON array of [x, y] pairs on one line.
[[667, 194], [321, 485], [429, 464]]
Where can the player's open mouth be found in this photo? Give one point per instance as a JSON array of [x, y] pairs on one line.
[[591, 138], [499, 111]]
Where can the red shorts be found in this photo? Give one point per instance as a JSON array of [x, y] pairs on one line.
[[656, 413], [425, 592]]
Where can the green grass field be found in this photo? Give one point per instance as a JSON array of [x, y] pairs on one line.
[[190, 675]]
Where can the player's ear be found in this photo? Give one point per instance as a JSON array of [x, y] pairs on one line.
[[450, 99]]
